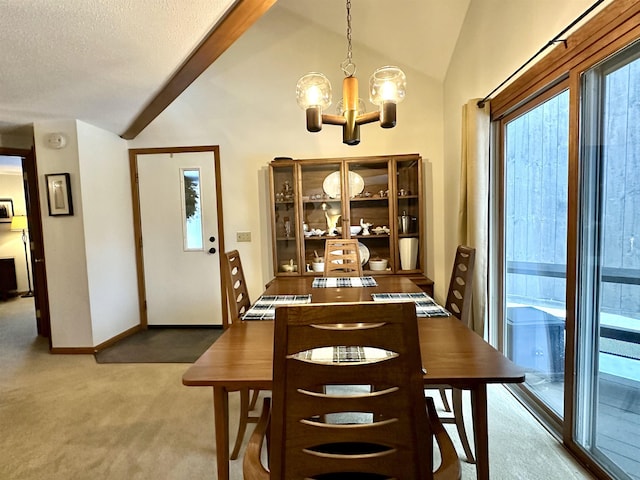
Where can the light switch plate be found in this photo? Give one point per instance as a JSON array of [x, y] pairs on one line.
[[243, 236]]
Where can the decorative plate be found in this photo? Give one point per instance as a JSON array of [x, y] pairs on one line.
[[364, 253], [331, 184]]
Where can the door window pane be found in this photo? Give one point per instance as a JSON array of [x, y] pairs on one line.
[[192, 219], [535, 235], [608, 381]]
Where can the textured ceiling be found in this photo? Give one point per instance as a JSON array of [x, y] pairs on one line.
[[102, 61], [96, 60]]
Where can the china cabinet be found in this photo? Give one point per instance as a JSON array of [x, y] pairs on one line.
[[377, 200]]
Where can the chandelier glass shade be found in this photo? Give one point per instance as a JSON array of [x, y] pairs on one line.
[[387, 88]]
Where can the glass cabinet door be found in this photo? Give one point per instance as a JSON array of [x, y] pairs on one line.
[[409, 211], [322, 213], [369, 215], [284, 221]]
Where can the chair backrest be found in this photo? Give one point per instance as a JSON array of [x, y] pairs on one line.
[[311, 434], [461, 283], [342, 258], [236, 285]]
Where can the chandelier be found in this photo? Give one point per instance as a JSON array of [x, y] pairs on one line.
[[386, 89]]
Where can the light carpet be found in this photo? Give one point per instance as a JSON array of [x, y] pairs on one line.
[[68, 417]]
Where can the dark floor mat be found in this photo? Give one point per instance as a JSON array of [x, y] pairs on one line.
[[161, 345]]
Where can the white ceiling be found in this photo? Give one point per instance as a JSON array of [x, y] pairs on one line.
[[102, 61]]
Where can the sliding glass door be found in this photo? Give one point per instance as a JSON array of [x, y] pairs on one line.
[[535, 234], [607, 397]]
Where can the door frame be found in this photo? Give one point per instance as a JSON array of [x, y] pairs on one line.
[[137, 219], [36, 241]]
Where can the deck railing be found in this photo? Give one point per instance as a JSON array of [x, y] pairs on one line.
[[624, 276]]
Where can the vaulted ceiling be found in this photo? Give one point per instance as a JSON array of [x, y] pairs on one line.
[[105, 61]]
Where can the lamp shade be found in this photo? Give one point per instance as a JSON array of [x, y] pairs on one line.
[[387, 84], [19, 223], [313, 90]]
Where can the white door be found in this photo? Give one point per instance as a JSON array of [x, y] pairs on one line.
[[178, 215]]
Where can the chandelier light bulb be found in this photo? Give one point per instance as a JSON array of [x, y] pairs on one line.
[[313, 93], [387, 84], [387, 87], [313, 90]]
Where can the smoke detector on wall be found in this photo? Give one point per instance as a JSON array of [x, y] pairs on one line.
[[56, 140]]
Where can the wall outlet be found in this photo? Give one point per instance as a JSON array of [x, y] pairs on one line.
[[243, 236]]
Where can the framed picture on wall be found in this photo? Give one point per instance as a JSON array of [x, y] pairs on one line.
[[59, 194], [6, 210]]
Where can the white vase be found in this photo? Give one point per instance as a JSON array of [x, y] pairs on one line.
[[408, 253]]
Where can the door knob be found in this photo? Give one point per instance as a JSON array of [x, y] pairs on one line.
[[212, 239], [212, 250]]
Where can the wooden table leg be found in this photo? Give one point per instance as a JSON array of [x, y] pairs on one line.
[[221, 419], [480, 430]]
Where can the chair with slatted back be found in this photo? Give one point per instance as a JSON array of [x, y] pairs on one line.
[[348, 398], [459, 304], [342, 258], [239, 302]]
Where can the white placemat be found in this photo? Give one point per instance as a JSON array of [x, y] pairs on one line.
[[265, 307], [425, 305], [333, 282]]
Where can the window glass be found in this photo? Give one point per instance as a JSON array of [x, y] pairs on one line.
[[535, 235], [192, 219], [608, 373]]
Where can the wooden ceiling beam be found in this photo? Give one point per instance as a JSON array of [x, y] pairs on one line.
[[237, 21]]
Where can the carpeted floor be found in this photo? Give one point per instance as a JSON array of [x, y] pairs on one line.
[[66, 417], [161, 345]]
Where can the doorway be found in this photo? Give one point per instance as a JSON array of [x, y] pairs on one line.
[[179, 230], [35, 263]]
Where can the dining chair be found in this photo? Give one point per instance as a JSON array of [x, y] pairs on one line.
[[459, 304], [342, 258], [323, 372], [239, 302]]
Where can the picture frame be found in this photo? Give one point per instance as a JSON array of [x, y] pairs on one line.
[[59, 197], [6, 210]]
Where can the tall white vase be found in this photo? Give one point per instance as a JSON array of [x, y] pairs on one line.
[[408, 253]]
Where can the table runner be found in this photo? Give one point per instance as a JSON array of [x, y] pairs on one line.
[[425, 305], [332, 282], [265, 307]]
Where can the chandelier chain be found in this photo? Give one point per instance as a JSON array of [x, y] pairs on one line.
[[347, 66]]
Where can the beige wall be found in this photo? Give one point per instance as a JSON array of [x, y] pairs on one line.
[[90, 255]]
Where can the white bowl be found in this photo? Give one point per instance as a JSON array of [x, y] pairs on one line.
[[355, 229], [378, 265], [317, 266]]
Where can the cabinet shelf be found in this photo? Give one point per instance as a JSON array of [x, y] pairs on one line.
[[305, 179], [369, 199]]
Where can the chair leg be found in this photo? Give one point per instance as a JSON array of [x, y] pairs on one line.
[[456, 397], [445, 402], [254, 399], [449, 468], [242, 423]]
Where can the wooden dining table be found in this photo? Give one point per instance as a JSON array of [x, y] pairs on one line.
[[452, 354]]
